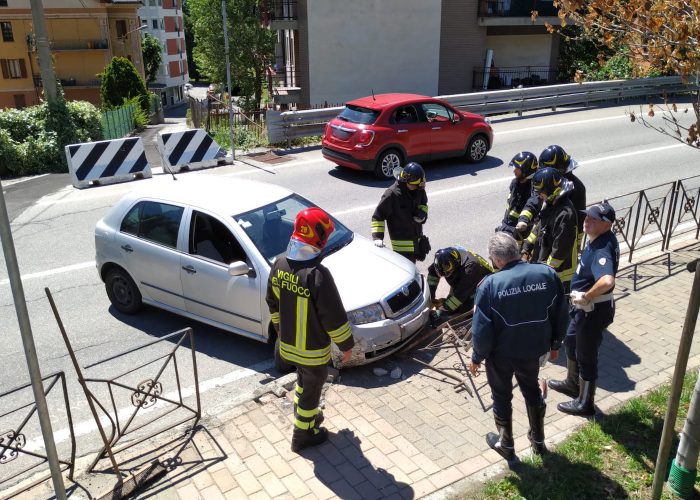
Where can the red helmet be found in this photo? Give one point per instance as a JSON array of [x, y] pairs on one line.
[[313, 226]]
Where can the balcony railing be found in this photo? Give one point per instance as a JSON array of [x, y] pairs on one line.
[[516, 8], [72, 82], [59, 45], [513, 77], [282, 10]]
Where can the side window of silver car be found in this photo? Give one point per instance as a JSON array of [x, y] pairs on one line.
[[154, 221]]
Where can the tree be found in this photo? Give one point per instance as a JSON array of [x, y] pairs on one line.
[[120, 82], [189, 41], [662, 35], [251, 44], [152, 56]]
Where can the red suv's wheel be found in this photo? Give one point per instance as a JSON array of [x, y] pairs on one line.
[[387, 162], [477, 148]]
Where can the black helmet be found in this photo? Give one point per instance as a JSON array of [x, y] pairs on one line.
[[555, 157], [447, 260], [526, 162], [548, 181], [412, 173]]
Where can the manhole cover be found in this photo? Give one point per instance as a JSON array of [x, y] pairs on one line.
[[270, 157]]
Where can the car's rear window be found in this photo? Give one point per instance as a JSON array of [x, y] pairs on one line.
[[357, 114]]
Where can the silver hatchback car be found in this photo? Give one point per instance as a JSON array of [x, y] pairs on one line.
[[202, 247]]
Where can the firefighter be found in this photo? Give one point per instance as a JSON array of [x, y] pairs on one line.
[[404, 208], [592, 311], [553, 239], [555, 156], [463, 270], [524, 165], [520, 315], [307, 313]]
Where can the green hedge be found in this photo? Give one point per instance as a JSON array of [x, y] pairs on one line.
[[32, 139]]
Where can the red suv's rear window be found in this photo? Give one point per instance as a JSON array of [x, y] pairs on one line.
[[357, 114]]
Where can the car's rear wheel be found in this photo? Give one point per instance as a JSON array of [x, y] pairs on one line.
[[387, 162], [123, 292], [477, 148]]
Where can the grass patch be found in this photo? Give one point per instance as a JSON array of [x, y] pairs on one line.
[[612, 457]]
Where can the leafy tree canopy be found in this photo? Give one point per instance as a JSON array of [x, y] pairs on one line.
[[152, 56], [120, 82]]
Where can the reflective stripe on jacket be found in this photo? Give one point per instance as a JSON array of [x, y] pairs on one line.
[[396, 211]]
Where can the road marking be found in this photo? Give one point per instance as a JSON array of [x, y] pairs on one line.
[[51, 272], [89, 425], [554, 125]]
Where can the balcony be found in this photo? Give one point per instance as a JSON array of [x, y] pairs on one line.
[[282, 87], [514, 77], [72, 82], [79, 45], [281, 14], [515, 12]]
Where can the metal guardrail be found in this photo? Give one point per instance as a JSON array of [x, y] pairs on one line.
[[285, 126], [13, 441]]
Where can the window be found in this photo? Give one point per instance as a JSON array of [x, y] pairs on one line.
[[356, 114], [211, 239], [153, 221], [405, 114], [6, 28], [121, 28], [13, 68], [436, 112], [3, 3], [154, 23]]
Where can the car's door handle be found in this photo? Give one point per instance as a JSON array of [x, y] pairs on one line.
[[437, 128], [127, 248], [401, 131], [189, 269]]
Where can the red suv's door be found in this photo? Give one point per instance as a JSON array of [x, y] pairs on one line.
[[447, 137], [411, 130]]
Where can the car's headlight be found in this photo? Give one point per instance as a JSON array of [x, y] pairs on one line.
[[369, 314]]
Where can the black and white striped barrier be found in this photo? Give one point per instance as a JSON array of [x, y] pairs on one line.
[[189, 150], [107, 162]]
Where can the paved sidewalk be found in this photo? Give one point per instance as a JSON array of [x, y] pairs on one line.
[[415, 436]]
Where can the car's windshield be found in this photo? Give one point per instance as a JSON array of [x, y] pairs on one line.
[[356, 114], [270, 227]]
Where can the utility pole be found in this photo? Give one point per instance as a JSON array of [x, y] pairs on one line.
[[25, 328], [228, 82], [48, 76]]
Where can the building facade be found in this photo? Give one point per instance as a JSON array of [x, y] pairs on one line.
[[331, 51], [165, 22], [84, 35]]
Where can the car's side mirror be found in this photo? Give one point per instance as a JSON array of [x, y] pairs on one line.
[[431, 115], [238, 268], [455, 118]]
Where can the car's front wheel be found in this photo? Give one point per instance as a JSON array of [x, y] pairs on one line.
[[387, 162], [123, 292], [477, 148]]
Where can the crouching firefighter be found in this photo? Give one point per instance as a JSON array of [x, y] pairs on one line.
[[524, 166], [463, 270], [404, 209], [307, 313]]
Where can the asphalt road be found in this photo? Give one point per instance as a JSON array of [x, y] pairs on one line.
[[53, 227]]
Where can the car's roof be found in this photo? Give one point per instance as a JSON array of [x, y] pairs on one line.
[[225, 195], [380, 101]]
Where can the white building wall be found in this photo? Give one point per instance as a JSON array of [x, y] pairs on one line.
[[520, 50], [359, 46]]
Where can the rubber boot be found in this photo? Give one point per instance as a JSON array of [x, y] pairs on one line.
[[569, 385], [303, 439], [503, 441], [535, 415], [583, 405]]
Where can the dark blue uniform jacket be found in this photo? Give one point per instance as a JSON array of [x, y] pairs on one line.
[[520, 312]]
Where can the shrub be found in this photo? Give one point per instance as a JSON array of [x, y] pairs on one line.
[[245, 138], [140, 116], [86, 119], [121, 81]]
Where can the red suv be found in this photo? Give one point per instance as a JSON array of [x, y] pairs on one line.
[[382, 132]]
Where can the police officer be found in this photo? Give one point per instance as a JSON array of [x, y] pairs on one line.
[[520, 315], [404, 207], [463, 270], [307, 313], [524, 165], [592, 311], [553, 238]]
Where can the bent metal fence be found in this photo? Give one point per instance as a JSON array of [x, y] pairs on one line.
[[21, 442], [135, 400]]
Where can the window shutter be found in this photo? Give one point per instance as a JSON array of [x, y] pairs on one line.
[[5, 69], [22, 68]]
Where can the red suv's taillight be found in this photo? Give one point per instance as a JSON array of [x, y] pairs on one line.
[[327, 130], [364, 139]]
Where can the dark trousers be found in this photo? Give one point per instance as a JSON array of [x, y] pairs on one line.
[[584, 336], [499, 373], [410, 256], [310, 380]]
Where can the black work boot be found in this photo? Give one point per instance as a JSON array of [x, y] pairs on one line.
[[535, 415], [303, 439], [583, 405], [503, 441], [569, 385]]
